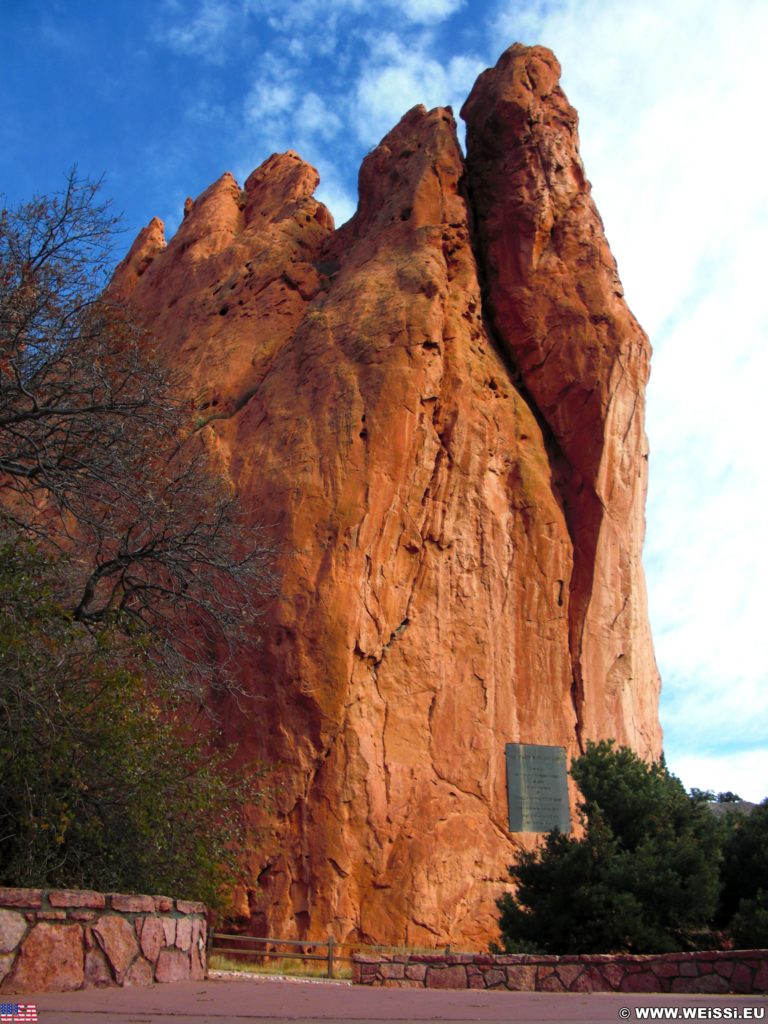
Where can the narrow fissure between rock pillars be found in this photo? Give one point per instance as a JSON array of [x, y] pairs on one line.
[[559, 464]]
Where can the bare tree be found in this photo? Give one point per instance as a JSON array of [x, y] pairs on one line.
[[98, 455]]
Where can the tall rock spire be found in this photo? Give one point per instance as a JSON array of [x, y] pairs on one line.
[[553, 296], [437, 409]]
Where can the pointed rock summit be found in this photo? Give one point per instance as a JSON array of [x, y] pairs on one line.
[[438, 409]]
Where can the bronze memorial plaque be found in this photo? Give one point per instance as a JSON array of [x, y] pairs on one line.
[[537, 788]]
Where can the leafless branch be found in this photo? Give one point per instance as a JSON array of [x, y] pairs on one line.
[[97, 452]]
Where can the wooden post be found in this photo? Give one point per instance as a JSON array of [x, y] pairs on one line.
[[208, 942], [330, 956]]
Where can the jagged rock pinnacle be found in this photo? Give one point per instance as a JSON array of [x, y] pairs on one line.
[[438, 408]]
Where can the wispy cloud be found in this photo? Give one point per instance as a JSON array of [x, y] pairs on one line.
[[201, 35], [314, 117], [266, 100], [345, 71], [427, 12], [399, 75], [306, 29], [300, 13]]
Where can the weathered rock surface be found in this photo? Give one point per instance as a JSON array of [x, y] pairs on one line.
[[438, 409], [117, 940], [172, 965], [97, 972], [153, 938], [50, 959], [12, 928], [558, 312]]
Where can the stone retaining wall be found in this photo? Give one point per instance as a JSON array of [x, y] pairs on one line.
[[737, 971], [58, 940]]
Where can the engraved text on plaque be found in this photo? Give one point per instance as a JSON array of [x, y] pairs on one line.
[[537, 788]]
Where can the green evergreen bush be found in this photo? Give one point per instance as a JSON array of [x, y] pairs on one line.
[[642, 879], [743, 906]]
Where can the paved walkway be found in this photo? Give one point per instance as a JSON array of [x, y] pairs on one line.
[[270, 1001]]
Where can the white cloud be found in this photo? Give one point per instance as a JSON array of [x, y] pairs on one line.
[[399, 76], [266, 99], [301, 13], [202, 35], [286, 106], [278, 115], [270, 105], [315, 118], [744, 773], [427, 12]]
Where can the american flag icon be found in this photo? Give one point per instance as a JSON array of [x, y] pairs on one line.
[[18, 1013]]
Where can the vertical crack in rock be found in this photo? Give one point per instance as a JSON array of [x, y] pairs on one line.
[[557, 460], [556, 305]]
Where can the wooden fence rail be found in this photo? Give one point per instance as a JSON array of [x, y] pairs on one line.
[[330, 945], [331, 956]]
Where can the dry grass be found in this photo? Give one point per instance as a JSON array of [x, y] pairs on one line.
[[281, 966]]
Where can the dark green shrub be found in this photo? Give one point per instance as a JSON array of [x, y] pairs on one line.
[[749, 927], [745, 875], [644, 877]]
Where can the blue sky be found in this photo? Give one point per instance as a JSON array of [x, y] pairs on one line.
[[162, 97]]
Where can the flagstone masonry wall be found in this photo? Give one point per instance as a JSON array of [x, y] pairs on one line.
[[58, 940], [734, 971]]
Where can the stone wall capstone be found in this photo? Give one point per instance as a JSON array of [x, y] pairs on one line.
[[730, 971], [58, 940]]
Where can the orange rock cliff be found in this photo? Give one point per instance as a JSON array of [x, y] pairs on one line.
[[438, 408]]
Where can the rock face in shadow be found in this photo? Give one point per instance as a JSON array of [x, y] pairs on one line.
[[557, 310], [438, 409]]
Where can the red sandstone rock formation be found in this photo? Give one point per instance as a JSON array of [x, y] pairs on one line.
[[557, 309], [439, 409]]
